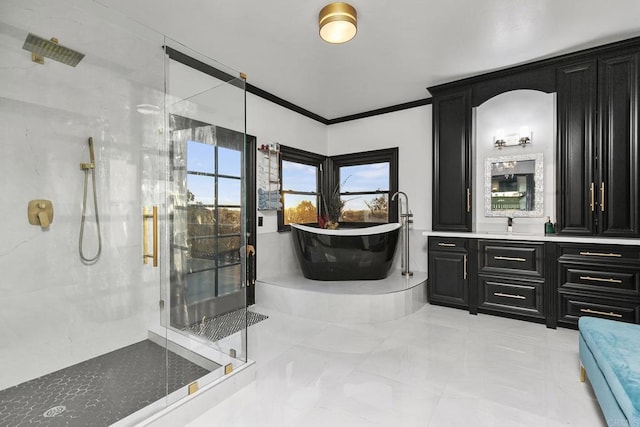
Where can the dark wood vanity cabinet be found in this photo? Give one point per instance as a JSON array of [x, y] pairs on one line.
[[511, 279], [448, 272], [452, 161], [546, 282], [598, 157], [598, 280]]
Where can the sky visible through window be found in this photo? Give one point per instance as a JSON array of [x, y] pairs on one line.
[[369, 177], [201, 158], [298, 177]]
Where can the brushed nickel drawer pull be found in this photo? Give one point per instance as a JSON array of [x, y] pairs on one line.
[[508, 258], [592, 204], [610, 254], [449, 245], [604, 313], [600, 279], [500, 294], [468, 199]]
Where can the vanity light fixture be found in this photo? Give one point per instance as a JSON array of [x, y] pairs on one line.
[[498, 140], [522, 138], [338, 22], [525, 136]]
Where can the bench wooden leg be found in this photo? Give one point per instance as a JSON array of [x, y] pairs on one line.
[[583, 374]]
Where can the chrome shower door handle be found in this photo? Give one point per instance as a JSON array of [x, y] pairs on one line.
[[145, 231]]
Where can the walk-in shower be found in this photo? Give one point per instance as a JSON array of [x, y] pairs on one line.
[[90, 339]]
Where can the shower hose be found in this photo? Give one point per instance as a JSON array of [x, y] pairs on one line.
[[84, 210]]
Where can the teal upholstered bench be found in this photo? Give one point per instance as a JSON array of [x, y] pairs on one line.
[[610, 358]]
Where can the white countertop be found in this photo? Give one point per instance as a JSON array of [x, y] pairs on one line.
[[536, 237]]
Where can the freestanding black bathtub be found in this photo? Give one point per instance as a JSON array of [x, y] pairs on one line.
[[345, 254]]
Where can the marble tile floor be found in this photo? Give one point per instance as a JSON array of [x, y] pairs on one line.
[[435, 367]]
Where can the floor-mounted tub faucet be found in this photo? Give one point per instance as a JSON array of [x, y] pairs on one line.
[[406, 220]]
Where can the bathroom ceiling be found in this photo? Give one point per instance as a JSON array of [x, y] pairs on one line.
[[402, 46]]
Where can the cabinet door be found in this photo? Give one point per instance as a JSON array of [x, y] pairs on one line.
[[618, 160], [576, 111], [452, 162], [448, 278]]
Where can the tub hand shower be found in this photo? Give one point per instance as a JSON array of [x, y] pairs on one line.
[[86, 167]]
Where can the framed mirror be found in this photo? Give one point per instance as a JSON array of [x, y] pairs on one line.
[[514, 186]]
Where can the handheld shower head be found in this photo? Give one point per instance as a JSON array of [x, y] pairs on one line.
[[92, 157]]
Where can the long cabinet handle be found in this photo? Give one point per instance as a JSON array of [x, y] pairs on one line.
[[508, 258], [468, 199], [604, 313], [145, 230], [610, 254], [500, 294], [600, 279], [448, 245], [593, 198], [602, 196], [465, 267]]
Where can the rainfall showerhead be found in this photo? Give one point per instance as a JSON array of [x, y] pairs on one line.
[[40, 47]]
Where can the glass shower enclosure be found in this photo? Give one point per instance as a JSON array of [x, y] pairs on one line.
[[155, 308]]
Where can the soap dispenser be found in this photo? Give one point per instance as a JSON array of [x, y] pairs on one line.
[[548, 227], [509, 225]]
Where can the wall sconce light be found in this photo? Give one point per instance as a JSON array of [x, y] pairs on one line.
[[525, 136], [522, 138], [338, 22], [498, 140]]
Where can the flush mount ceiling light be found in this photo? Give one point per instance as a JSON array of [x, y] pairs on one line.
[[338, 23]]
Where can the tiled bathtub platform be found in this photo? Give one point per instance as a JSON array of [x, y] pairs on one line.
[[358, 301]]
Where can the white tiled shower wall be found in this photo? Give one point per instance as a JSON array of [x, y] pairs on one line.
[[54, 310]]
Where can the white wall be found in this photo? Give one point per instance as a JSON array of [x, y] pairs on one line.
[[510, 111]]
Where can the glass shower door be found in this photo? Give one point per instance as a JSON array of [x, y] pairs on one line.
[[207, 204]]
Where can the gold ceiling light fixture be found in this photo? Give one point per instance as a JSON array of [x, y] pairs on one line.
[[338, 22]]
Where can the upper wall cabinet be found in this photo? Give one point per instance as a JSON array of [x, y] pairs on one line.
[[598, 147], [452, 161], [598, 157]]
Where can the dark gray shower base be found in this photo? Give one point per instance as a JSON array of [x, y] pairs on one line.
[[99, 391]]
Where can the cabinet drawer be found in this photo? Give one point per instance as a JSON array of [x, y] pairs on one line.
[[508, 295], [608, 279], [600, 253], [511, 258], [572, 306], [447, 243]]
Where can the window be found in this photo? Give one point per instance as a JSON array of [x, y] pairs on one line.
[[364, 191], [214, 215], [366, 181], [300, 174]]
